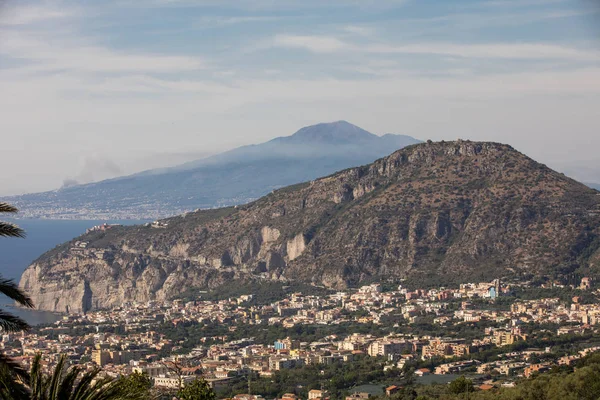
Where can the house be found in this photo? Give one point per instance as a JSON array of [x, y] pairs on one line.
[[390, 390], [171, 382], [247, 397], [586, 283], [316, 394], [422, 371], [535, 368], [358, 396]]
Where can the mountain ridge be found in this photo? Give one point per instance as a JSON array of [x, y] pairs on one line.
[[252, 170], [433, 213]]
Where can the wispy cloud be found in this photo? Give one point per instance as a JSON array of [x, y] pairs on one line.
[[240, 19], [359, 30], [11, 15], [80, 56], [517, 51], [483, 20], [518, 3], [316, 44], [267, 4]]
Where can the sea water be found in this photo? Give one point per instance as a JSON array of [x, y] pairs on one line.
[[42, 235]]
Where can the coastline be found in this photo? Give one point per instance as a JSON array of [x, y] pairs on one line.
[[31, 316]]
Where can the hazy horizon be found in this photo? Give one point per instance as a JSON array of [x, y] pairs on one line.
[[95, 91]]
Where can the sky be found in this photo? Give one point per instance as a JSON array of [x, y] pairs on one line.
[[96, 89]]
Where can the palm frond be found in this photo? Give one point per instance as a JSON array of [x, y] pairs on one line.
[[11, 388], [12, 323], [12, 367], [56, 377], [106, 389], [85, 384], [7, 208], [66, 385], [37, 379], [102, 389], [10, 289], [11, 230]]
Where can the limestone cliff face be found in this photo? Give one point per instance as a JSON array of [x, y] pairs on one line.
[[78, 282], [433, 213]]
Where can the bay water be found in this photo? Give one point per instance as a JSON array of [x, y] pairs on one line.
[[42, 235]]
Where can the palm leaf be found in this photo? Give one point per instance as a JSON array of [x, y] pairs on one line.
[[56, 378], [36, 381], [11, 388], [10, 289], [11, 230], [66, 385], [15, 369], [84, 385], [7, 208], [12, 323], [104, 389]]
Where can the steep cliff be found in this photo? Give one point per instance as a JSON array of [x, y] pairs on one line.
[[433, 212]]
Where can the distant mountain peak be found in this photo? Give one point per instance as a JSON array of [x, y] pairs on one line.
[[233, 177], [338, 132]]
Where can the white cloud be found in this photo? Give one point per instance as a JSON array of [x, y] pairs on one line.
[[518, 3], [11, 15], [518, 51], [68, 55], [266, 4], [316, 44], [484, 20], [359, 30], [240, 19]]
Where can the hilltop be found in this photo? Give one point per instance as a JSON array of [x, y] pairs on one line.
[[432, 213], [234, 177]]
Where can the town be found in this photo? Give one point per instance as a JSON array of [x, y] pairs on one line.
[[482, 330]]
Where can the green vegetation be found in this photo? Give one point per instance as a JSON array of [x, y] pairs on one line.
[[565, 294], [565, 383], [337, 379], [196, 390], [265, 292], [190, 335], [136, 383], [73, 384], [460, 386]]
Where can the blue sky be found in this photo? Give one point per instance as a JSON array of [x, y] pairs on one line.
[[94, 89]]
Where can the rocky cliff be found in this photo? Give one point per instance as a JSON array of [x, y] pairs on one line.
[[432, 213]]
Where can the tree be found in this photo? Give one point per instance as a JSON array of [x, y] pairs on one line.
[[70, 384], [461, 385], [196, 390], [176, 368], [12, 375], [136, 383]]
